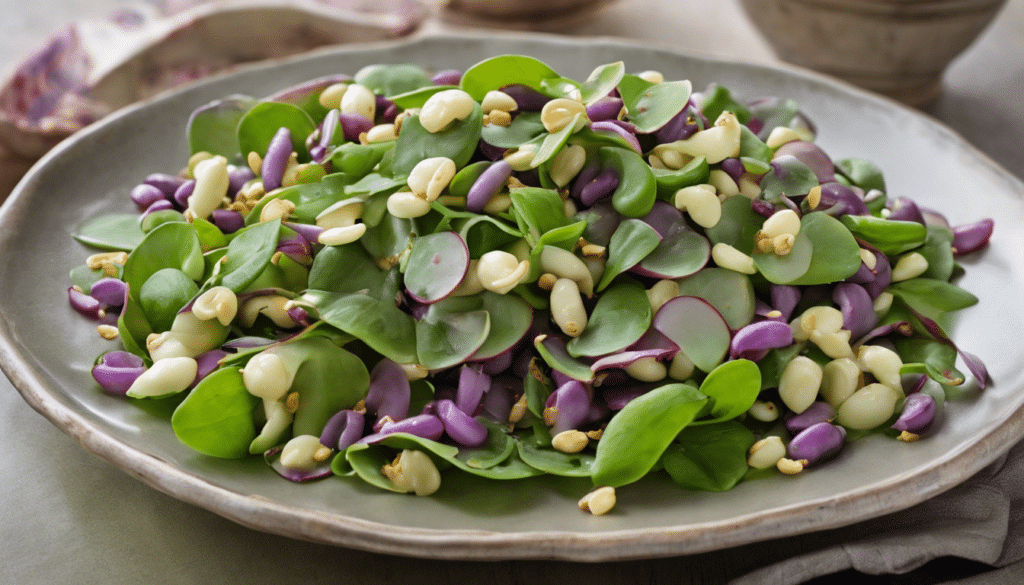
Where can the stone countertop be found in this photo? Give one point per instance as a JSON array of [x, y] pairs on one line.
[[67, 516]]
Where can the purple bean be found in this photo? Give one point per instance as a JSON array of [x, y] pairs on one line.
[[317, 153], [500, 397], [426, 426], [329, 127], [817, 443], [838, 200], [389, 392], [762, 208], [602, 186], [447, 77], [855, 304], [620, 129], [755, 125], [527, 98], [734, 168], [237, 178], [308, 231], [117, 370], [606, 108], [678, 128], [144, 195], [228, 221], [275, 161], [497, 364], [342, 430], [932, 217], [161, 205], [487, 185], [971, 237], [85, 304], [109, 291], [571, 404], [382, 103], [784, 299], [811, 155], [917, 415], [904, 209], [753, 341], [207, 363], [167, 184], [882, 272], [583, 179], [817, 412], [617, 397], [472, 385], [461, 427], [180, 197], [297, 248], [902, 327]]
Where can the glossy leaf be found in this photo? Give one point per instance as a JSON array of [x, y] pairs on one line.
[[417, 97], [330, 379], [555, 462], [537, 211], [248, 254], [932, 297], [502, 71], [510, 319], [862, 173], [697, 328], [620, 317], [637, 436], [638, 189], [632, 241], [258, 126], [938, 251], [216, 418], [711, 458], [681, 253], [891, 237], [729, 292], [172, 245], [733, 387], [213, 128], [437, 264], [789, 176], [553, 351], [835, 254], [553, 142], [389, 79], [378, 323], [164, 294], [601, 81], [117, 231], [450, 332], [458, 142], [525, 128], [935, 359], [718, 99], [650, 106], [668, 181]]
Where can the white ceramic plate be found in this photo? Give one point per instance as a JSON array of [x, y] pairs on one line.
[[46, 348]]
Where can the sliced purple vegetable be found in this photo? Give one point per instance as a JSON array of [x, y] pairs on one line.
[[753, 341], [904, 209], [487, 185], [117, 370], [472, 385], [818, 412], [321, 471], [971, 237], [343, 429], [389, 394], [461, 427], [855, 304], [228, 221], [447, 77], [437, 264], [697, 328], [817, 443], [917, 414], [144, 195], [426, 426], [838, 200], [811, 155], [275, 161], [181, 195], [567, 407], [974, 364]]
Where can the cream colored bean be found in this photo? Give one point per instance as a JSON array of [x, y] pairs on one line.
[[780, 135], [662, 292], [276, 209], [841, 378], [339, 236], [198, 335], [218, 303], [521, 159], [781, 222], [647, 369], [728, 257], [298, 452], [567, 164], [763, 411], [255, 162], [381, 133], [681, 367], [211, 186], [414, 372], [342, 214], [789, 466], [165, 377], [406, 205], [571, 441], [799, 334], [651, 76], [268, 376], [701, 203], [331, 95], [559, 113], [358, 99], [883, 363], [431, 176], [414, 471], [500, 203], [673, 159], [656, 163], [273, 307], [500, 271], [799, 383], [444, 108], [498, 100], [723, 183], [569, 207], [564, 264], [766, 453], [278, 421], [567, 309], [834, 345], [822, 318], [748, 187], [783, 244], [882, 304], [868, 407], [717, 143], [599, 501], [909, 266], [166, 345], [868, 258], [596, 267]]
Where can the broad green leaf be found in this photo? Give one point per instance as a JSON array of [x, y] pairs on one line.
[[620, 317], [718, 99], [164, 294], [258, 126], [835, 254], [499, 72], [789, 176], [213, 128], [697, 328], [733, 387], [862, 173], [555, 462], [638, 189], [553, 142], [926, 356], [711, 458], [118, 231], [738, 225], [601, 81], [377, 323], [890, 236], [415, 144], [632, 241], [938, 251], [249, 253], [172, 245], [389, 80], [668, 182], [552, 350], [450, 332], [651, 106], [728, 291], [417, 97], [216, 418], [932, 297]]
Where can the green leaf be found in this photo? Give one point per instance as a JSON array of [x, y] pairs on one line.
[[417, 97], [710, 458], [621, 316], [681, 253], [377, 323], [890, 236], [553, 142], [259, 125], [249, 253], [932, 297], [637, 189], [637, 436], [330, 379], [555, 462], [789, 176], [450, 332], [524, 128], [733, 386], [738, 225], [163, 295], [510, 319], [391, 80], [935, 359], [862, 173], [118, 231], [751, 147], [458, 142], [650, 106], [499, 72], [213, 128], [668, 182], [172, 245], [835, 254], [728, 291], [718, 99], [632, 241], [537, 211], [552, 350], [938, 251], [216, 417], [601, 82]]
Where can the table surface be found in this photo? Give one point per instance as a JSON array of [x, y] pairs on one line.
[[67, 516]]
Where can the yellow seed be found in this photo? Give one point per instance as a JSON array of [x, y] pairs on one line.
[[571, 441], [814, 197], [107, 331], [547, 281], [595, 435], [518, 410], [255, 162], [908, 437], [599, 501], [291, 403], [500, 118], [789, 466]]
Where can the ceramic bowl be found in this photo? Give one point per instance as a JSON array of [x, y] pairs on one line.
[[896, 47]]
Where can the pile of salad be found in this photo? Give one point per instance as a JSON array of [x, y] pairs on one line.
[[401, 275]]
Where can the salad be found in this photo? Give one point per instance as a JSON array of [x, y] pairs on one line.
[[400, 275]]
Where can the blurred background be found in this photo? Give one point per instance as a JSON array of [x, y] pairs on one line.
[[65, 64]]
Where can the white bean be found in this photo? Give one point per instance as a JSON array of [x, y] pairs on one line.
[[298, 452], [431, 176], [599, 501], [414, 471], [445, 107], [268, 376], [274, 307], [558, 113], [567, 309], [500, 271], [883, 363], [358, 99], [728, 257], [681, 367], [701, 203], [868, 407], [567, 164], [406, 205], [909, 266], [766, 453], [341, 214], [498, 100], [564, 264], [211, 186], [647, 369], [841, 378], [799, 383], [218, 303], [662, 292], [165, 377], [338, 236], [780, 135], [331, 95]]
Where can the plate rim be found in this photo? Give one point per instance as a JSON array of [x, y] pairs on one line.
[[894, 494]]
